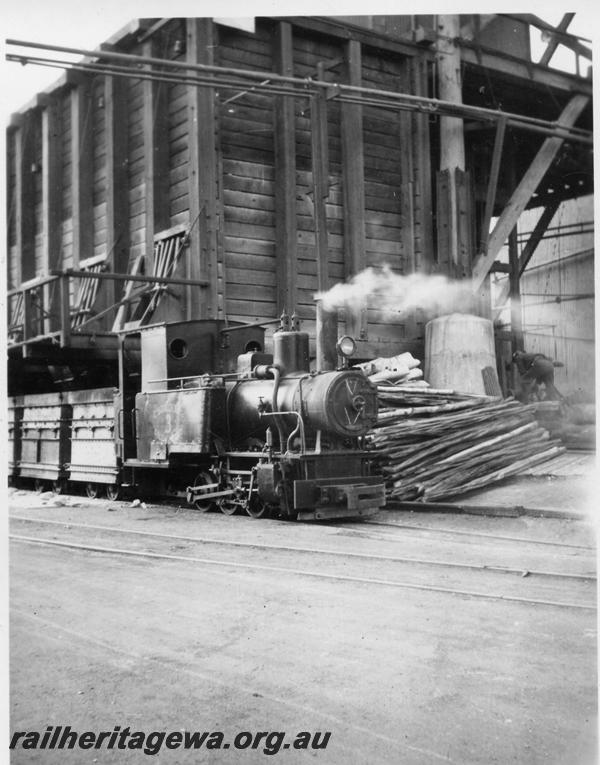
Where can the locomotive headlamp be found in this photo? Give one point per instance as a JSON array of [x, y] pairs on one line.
[[346, 346]]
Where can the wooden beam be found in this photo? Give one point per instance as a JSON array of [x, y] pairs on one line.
[[353, 174], [345, 31], [569, 41], [524, 191], [203, 176], [117, 203], [537, 235], [535, 238], [555, 41], [81, 171], [285, 176], [156, 155], [495, 63], [51, 201]]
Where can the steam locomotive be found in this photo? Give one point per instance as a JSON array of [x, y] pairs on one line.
[[202, 412]]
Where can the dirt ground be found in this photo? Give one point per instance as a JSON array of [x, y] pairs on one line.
[[395, 675]]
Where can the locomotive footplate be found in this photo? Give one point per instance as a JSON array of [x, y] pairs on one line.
[[338, 498]]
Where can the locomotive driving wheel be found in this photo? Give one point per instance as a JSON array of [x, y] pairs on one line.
[[237, 501], [204, 505], [256, 508]]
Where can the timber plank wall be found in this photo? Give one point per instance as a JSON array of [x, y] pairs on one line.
[[128, 171]]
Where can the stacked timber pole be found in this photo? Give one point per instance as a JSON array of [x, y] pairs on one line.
[[435, 444]]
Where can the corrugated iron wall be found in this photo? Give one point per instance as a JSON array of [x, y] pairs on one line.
[[558, 297]]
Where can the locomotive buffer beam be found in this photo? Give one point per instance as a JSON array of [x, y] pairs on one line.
[[328, 499]]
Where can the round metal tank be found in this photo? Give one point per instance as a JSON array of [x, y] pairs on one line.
[[460, 354]]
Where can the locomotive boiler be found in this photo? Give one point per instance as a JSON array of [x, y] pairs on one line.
[[202, 412]]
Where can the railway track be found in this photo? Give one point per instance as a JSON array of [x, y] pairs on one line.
[[564, 583], [429, 530]]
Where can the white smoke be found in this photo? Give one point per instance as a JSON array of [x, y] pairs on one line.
[[387, 291]]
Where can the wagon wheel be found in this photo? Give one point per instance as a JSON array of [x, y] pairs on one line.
[[38, 485], [59, 486], [113, 492], [92, 490], [204, 505]]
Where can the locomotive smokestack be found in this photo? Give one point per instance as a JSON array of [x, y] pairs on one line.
[[326, 337]]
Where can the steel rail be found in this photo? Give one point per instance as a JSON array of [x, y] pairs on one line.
[[315, 551], [298, 572], [310, 86], [478, 534]]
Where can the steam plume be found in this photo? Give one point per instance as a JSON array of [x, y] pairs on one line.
[[394, 293]]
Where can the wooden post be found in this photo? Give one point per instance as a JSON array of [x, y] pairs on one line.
[[285, 177], [452, 144], [117, 203], [326, 324], [422, 192], [353, 174], [203, 175], [51, 205], [490, 200], [320, 166], [516, 316], [64, 310], [81, 171], [156, 156], [530, 247], [24, 149]]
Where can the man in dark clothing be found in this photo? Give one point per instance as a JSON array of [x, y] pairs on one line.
[[536, 369]]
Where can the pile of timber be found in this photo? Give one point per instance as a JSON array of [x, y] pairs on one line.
[[435, 444]]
